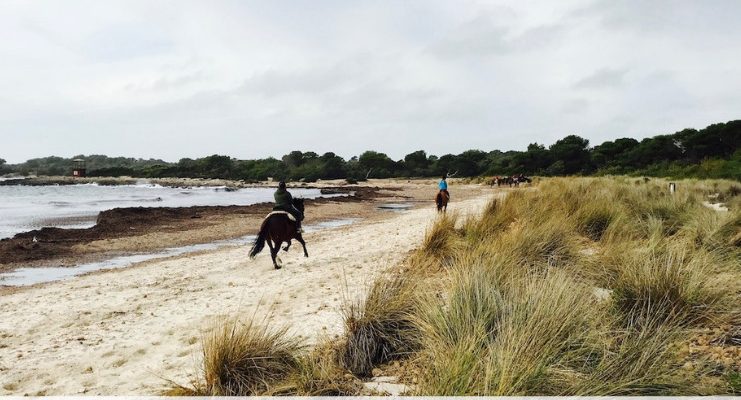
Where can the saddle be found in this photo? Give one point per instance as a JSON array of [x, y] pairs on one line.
[[290, 216]]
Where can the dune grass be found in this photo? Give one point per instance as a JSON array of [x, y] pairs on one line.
[[575, 286], [495, 337], [244, 358], [670, 284], [318, 373], [440, 240], [518, 315], [378, 328]]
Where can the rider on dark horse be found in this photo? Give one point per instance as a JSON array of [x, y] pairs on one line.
[[284, 202]]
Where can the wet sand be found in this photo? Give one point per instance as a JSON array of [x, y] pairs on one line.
[[128, 331], [144, 229]]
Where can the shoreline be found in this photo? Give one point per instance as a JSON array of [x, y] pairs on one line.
[[135, 230], [66, 246]]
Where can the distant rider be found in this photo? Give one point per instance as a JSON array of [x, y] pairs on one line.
[[284, 202], [443, 185]]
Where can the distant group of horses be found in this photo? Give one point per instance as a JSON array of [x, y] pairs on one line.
[[512, 181]]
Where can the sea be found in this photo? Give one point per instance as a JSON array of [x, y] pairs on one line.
[[24, 208]]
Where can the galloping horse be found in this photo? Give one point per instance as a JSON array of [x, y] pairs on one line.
[[441, 200], [276, 229]]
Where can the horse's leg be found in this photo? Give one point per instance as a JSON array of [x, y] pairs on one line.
[[303, 244], [275, 257], [274, 252], [288, 245]]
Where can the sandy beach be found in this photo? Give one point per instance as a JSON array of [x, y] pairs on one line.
[[129, 331]]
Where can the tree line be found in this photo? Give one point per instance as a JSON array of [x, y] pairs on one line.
[[712, 152]]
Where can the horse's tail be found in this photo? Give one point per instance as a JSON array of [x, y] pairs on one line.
[[260, 240]]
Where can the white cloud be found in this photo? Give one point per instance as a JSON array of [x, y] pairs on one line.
[[251, 79]]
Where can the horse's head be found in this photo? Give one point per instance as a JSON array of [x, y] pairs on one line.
[[298, 202]]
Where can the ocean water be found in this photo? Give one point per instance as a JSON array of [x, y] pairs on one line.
[[23, 208]]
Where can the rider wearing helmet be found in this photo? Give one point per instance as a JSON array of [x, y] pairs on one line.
[[284, 202]]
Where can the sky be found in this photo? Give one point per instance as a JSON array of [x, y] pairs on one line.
[[252, 79]]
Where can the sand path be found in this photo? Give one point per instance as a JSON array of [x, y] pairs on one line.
[[122, 332]]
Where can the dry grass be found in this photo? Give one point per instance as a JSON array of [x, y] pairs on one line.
[[595, 218], [378, 328], [495, 336], [242, 359], [670, 285], [318, 373], [637, 361], [440, 240], [516, 313]]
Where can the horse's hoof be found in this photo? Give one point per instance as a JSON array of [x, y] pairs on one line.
[[278, 267]]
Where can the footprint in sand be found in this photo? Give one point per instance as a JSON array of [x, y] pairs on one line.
[[11, 387], [191, 340], [118, 363]]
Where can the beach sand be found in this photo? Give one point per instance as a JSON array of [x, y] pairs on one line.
[[129, 331]]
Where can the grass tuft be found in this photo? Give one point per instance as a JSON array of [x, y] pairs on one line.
[[318, 373], [669, 285], [379, 329], [439, 242], [243, 359]]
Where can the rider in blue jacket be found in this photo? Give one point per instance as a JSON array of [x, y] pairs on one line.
[[443, 185]]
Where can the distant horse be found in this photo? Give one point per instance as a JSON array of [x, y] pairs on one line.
[[503, 180], [276, 229], [517, 180], [441, 200]]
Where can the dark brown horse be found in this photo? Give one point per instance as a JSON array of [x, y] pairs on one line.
[[275, 230], [441, 200]]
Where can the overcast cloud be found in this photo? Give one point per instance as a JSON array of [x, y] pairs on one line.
[[173, 79]]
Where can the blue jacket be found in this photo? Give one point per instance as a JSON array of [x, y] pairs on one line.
[[443, 185]]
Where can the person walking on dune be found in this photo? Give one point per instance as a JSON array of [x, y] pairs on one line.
[[284, 202]]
